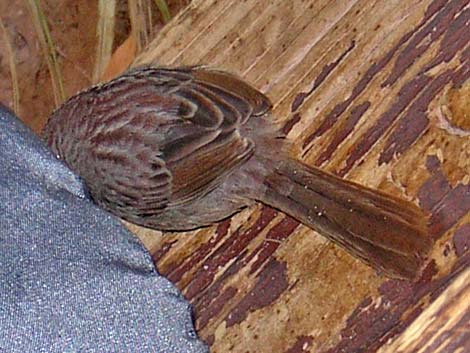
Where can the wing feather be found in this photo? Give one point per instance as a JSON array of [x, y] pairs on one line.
[[159, 137]]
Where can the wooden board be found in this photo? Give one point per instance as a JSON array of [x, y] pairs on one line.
[[374, 91]]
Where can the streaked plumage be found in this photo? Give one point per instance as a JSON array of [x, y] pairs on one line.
[[178, 149]]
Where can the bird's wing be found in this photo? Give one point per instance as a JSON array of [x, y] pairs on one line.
[[213, 105], [190, 121]]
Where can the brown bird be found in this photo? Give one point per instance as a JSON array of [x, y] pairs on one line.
[[178, 149]]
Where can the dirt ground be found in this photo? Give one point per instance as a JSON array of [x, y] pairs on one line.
[[73, 28]]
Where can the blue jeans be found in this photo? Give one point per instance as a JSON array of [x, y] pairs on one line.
[[72, 278]]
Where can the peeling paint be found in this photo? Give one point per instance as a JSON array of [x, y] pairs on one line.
[[326, 71], [289, 124], [461, 240], [272, 282], [233, 247], [348, 126], [406, 95]]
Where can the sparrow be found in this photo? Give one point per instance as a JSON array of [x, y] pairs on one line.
[[177, 149]]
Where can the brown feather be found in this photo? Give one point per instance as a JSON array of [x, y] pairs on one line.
[[382, 230], [182, 148]]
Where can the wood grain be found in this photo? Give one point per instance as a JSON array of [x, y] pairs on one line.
[[444, 326], [374, 91]]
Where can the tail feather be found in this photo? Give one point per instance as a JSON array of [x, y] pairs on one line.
[[388, 233]]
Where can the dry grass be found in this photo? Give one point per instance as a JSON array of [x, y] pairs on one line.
[[48, 49], [12, 63], [105, 37], [140, 14], [143, 19], [164, 10]]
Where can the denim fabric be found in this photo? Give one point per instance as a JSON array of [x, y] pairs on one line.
[[72, 278]]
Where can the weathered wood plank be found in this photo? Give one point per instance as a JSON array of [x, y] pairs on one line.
[[368, 90], [444, 326]]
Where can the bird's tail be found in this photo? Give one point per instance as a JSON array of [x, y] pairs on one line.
[[386, 232]]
